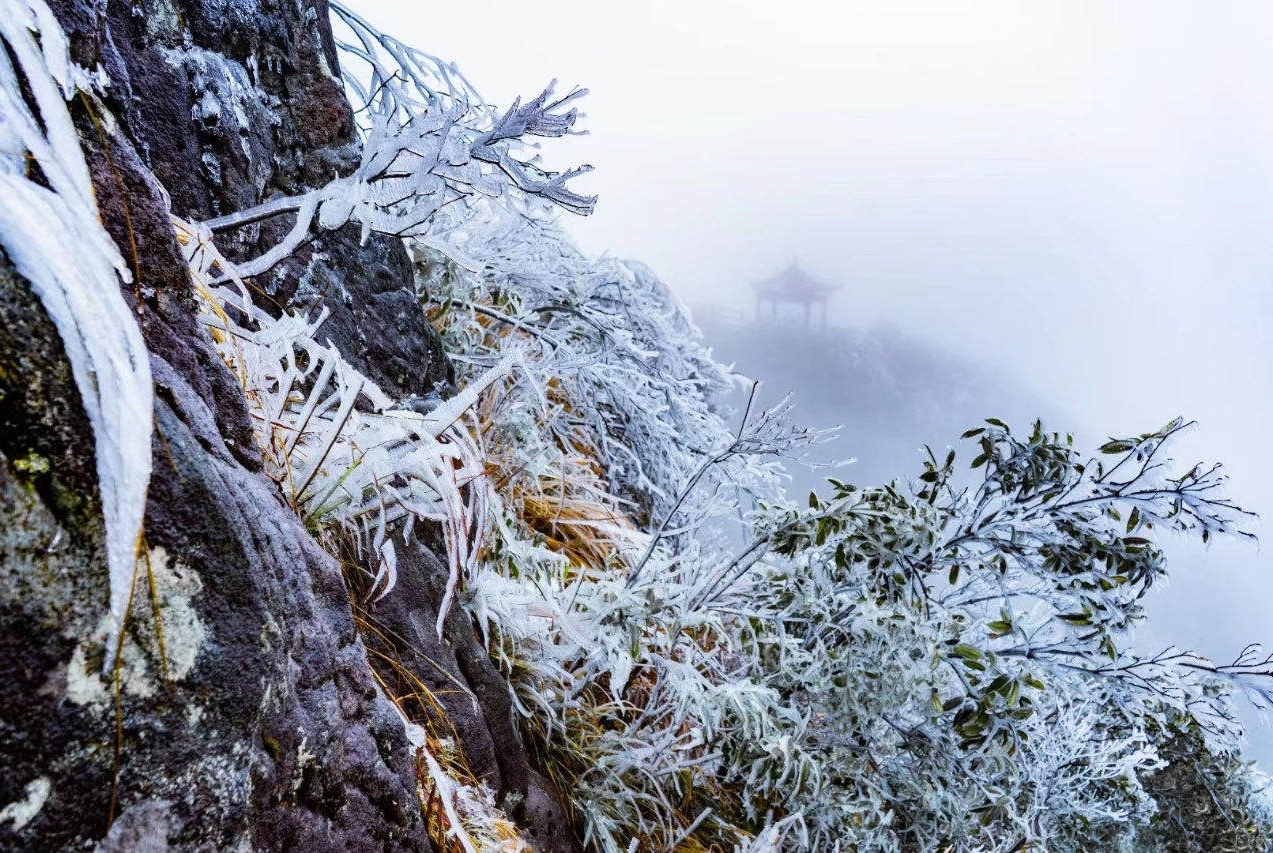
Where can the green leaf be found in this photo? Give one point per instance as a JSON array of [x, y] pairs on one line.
[[968, 652]]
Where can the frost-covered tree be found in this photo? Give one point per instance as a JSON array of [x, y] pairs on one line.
[[936, 665]]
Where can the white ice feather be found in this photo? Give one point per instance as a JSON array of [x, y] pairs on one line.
[[55, 240]]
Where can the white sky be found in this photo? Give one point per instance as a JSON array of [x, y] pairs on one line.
[[1078, 193]]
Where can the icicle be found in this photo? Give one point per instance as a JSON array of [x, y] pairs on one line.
[[56, 241]]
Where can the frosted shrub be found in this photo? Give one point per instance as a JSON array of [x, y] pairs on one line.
[[700, 661], [961, 651]]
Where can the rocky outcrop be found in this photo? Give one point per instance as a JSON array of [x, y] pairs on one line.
[[258, 722]]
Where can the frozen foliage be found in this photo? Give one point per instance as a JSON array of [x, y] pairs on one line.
[[932, 666], [613, 345], [50, 230], [935, 664], [366, 469], [960, 652], [356, 468], [604, 593], [473, 821], [702, 663], [427, 143]]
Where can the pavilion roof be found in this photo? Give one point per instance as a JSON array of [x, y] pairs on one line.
[[793, 284]]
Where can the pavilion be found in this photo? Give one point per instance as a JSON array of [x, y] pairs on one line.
[[794, 286]]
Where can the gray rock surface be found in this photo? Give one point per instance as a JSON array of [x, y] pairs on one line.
[[260, 725]]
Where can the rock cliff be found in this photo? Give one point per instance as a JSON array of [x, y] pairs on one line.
[[261, 723]]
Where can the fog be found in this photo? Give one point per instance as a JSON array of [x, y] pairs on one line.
[[1075, 197]]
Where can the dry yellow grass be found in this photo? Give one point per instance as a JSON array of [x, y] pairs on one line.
[[568, 507], [489, 828]]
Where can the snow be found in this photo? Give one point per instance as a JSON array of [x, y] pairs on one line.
[[22, 812]]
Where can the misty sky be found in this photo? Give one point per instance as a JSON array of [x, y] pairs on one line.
[[1079, 194]]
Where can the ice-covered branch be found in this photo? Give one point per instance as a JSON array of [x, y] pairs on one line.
[[428, 142], [365, 470]]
